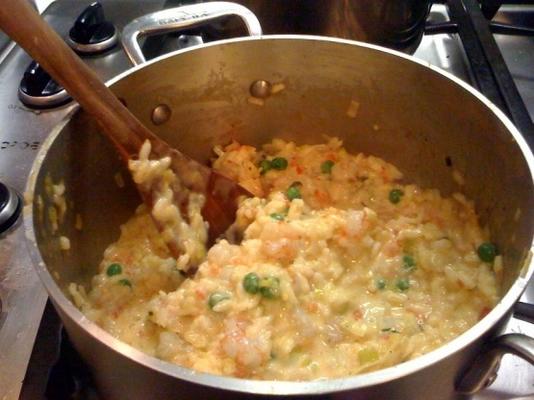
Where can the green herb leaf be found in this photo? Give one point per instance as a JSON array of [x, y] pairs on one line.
[[278, 216], [125, 282]]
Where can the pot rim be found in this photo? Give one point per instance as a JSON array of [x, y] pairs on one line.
[[279, 387]]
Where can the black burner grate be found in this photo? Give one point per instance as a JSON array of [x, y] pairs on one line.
[[56, 371], [490, 73]]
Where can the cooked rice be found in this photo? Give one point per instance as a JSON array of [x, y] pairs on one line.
[[356, 282]]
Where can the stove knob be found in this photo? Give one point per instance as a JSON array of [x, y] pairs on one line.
[[38, 90], [91, 32], [10, 207]]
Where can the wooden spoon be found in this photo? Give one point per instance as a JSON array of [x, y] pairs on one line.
[[22, 23]]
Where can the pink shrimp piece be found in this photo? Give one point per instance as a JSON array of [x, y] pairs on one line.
[[248, 344]]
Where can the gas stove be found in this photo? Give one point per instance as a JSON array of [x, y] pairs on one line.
[[30, 333]]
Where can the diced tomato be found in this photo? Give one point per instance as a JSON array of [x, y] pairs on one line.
[[322, 197], [312, 307], [331, 156]]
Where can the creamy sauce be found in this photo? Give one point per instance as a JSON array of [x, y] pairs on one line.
[[341, 269]]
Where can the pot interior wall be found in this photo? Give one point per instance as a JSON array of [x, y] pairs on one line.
[[408, 114]]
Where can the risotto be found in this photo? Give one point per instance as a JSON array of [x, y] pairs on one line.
[[335, 268]]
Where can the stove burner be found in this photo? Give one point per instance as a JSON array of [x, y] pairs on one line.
[[10, 207], [38, 90], [91, 32]]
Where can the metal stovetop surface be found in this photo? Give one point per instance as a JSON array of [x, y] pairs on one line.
[[23, 130]]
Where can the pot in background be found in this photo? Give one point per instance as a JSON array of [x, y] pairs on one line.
[[397, 24]]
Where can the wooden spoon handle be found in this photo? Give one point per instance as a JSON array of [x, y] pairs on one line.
[[22, 23]]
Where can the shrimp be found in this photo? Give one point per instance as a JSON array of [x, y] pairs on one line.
[[281, 242], [392, 248], [249, 344]]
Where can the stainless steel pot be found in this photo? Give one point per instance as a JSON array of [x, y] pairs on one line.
[[397, 24], [423, 120]]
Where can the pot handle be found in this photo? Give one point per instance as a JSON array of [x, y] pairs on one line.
[[178, 18], [484, 370]]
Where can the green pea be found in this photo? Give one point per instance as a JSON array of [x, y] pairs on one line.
[[403, 284], [216, 297], [251, 283], [125, 282], [279, 163], [278, 216], [114, 269], [293, 192], [380, 284], [265, 166], [391, 330], [487, 252], [408, 262], [270, 287], [395, 195], [326, 167]]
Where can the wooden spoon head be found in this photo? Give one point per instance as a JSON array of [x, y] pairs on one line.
[[127, 133], [221, 193], [222, 200]]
